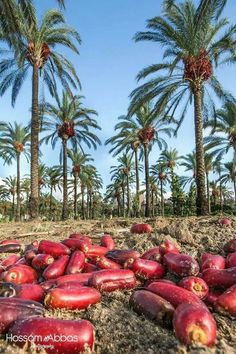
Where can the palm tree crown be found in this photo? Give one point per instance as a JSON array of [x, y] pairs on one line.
[[14, 140], [193, 46], [69, 120], [36, 47], [194, 43]]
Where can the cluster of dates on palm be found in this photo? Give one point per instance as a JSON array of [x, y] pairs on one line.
[[197, 67], [162, 176], [74, 273], [66, 129], [19, 147], [146, 134], [76, 169], [32, 57]]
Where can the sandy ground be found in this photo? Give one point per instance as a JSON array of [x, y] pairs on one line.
[[118, 328]]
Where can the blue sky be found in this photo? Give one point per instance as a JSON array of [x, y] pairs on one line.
[[108, 63]]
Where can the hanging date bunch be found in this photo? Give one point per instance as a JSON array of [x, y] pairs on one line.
[[35, 57], [66, 130], [146, 134], [197, 67], [162, 176], [126, 171], [19, 147], [76, 170]]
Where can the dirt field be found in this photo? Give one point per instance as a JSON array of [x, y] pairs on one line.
[[118, 328]]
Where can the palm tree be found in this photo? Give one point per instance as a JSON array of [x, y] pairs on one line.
[[54, 175], [4, 198], [158, 171], [127, 140], [229, 176], [78, 160], [119, 180], [194, 44], [170, 159], [68, 121], [149, 133], [215, 192], [208, 168], [93, 185], [45, 200], [149, 130], [113, 191], [154, 193], [25, 187], [125, 168], [89, 179], [14, 141], [226, 194], [34, 49], [10, 184], [224, 123]]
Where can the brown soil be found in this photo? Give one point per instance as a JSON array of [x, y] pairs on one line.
[[118, 328]]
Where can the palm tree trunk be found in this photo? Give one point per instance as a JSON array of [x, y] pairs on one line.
[[173, 192], [13, 206], [18, 187], [65, 190], [90, 205], [50, 203], [87, 206], [208, 194], [118, 206], [152, 203], [83, 207], [128, 196], [201, 204], [146, 162], [93, 207], [34, 167], [123, 199], [137, 181], [75, 196], [162, 200]]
